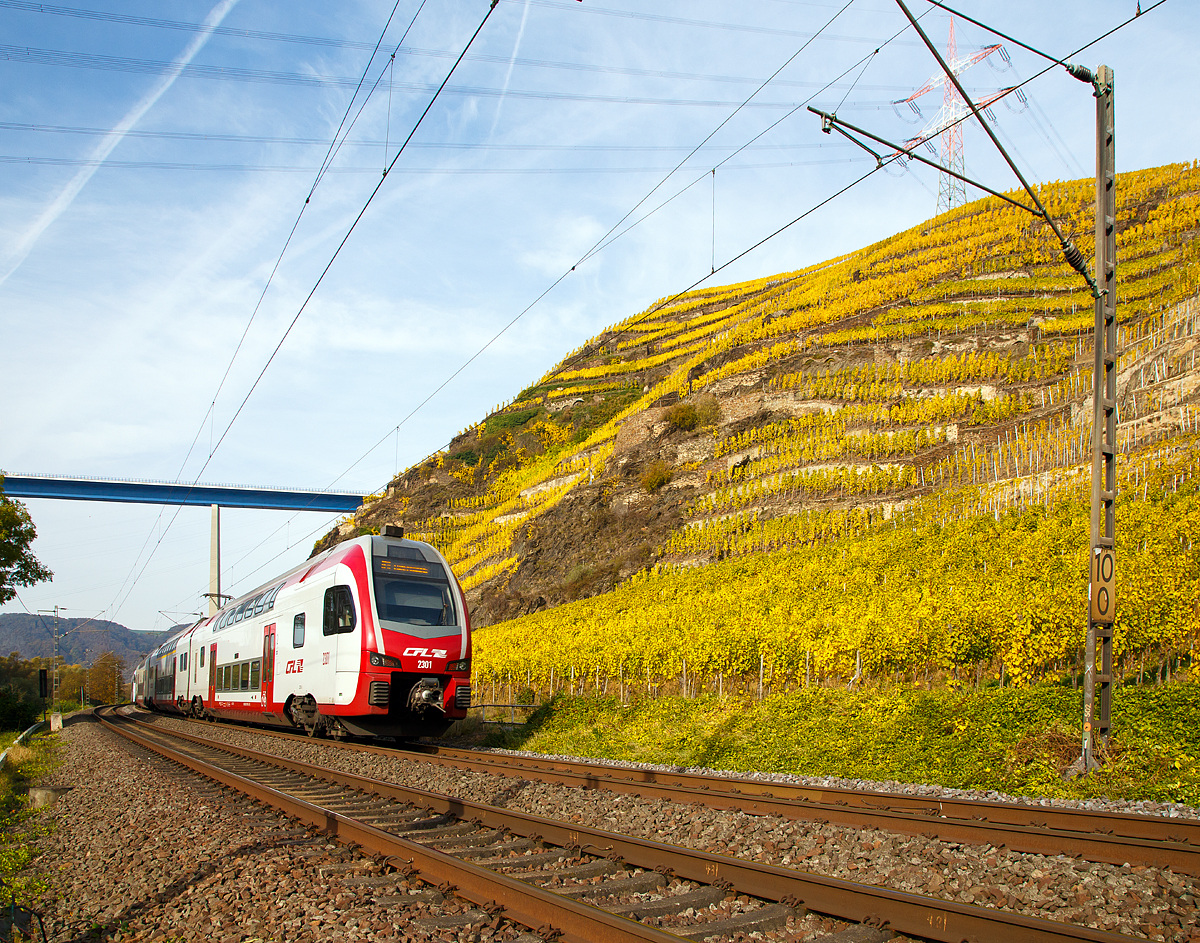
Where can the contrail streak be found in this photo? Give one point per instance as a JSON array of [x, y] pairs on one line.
[[508, 74], [25, 243]]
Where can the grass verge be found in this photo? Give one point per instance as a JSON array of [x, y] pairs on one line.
[[1013, 740], [19, 824]]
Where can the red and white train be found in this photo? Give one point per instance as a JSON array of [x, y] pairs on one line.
[[369, 638]]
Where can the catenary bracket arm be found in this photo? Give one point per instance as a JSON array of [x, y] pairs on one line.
[[1073, 256], [830, 122]]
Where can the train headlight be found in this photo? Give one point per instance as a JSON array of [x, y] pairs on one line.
[[464, 665], [384, 661]]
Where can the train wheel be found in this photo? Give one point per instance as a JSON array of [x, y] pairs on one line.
[[198, 707]]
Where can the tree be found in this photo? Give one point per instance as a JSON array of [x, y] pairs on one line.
[[105, 679], [18, 566]]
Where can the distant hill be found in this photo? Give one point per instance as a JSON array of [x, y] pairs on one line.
[[80, 640]]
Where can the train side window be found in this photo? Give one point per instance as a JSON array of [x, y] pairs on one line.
[[245, 675], [255, 674], [202, 658], [236, 684], [339, 615], [183, 662], [298, 631]]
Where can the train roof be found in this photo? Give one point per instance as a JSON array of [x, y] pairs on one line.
[[300, 567]]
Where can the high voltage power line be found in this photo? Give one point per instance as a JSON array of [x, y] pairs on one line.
[[449, 171], [132, 20], [78, 60]]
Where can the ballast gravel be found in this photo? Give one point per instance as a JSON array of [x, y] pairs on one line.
[[141, 850], [1152, 903]]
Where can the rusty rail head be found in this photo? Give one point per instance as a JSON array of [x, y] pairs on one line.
[[524, 903], [1171, 837], [744, 790], [912, 914]]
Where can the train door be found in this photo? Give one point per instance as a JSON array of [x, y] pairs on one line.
[[212, 674], [268, 668], [341, 622], [183, 683]]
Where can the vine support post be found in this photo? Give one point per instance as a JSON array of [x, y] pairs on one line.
[[1098, 667]]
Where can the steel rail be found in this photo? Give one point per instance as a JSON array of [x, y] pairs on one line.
[[1104, 825], [524, 903], [1111, 838], [911, 914], [1024, 838]]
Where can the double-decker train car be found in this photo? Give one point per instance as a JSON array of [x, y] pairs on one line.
[[369, 638]]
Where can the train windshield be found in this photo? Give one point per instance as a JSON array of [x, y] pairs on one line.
[[414, 602]]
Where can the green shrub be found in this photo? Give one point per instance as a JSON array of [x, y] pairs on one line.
[[683, 416], [708, 410], [656, 475], [703, 411], [16, 711]]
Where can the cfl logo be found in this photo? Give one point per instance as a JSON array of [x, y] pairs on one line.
[[425, 653], [294, 667]]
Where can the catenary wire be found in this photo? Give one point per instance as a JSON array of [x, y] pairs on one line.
[[329, 154], [329, 265], [595, 247], [778, 231], [1092, 42], [865, 59], [1062, 61], [449, 171], [312, 80], [241, 341]]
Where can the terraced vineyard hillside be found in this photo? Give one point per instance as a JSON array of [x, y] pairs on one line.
[[873, 465]]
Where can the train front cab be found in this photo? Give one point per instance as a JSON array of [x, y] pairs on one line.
[[407, 659]]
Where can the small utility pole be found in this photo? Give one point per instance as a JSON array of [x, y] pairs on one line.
[[54, 664], [1097, 678]]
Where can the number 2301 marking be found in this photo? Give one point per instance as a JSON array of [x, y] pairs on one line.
[[424, 664]]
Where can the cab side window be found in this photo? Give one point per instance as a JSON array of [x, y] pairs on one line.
[[298, 631], [339, 615]]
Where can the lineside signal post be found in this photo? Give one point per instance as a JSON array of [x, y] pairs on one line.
[[1097, 679]]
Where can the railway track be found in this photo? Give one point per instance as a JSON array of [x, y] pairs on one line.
[[1106, 837], [576, 882]]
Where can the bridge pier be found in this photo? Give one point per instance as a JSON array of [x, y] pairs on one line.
[[214, 562]]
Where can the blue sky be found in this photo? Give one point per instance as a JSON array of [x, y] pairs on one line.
[[131, 262]]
